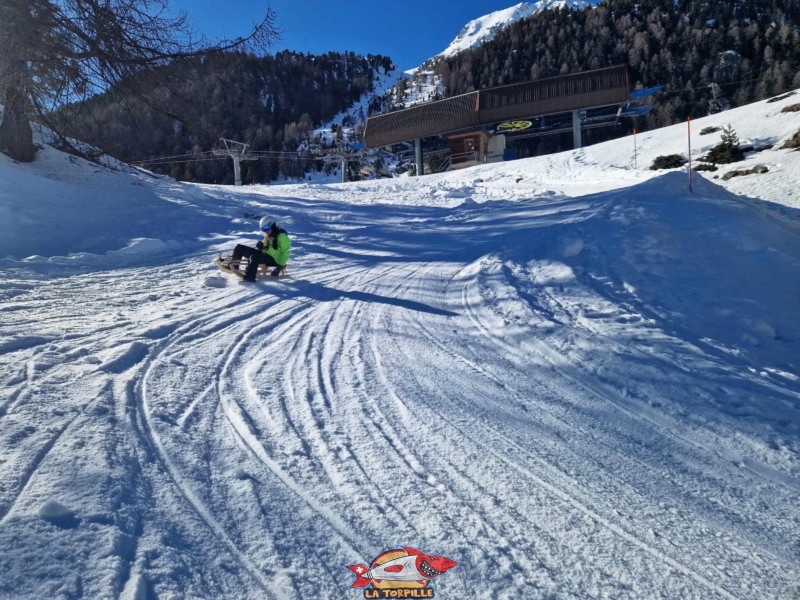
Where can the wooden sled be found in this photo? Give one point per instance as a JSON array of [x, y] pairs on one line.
[[225, 264]]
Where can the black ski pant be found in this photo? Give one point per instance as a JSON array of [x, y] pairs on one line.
[[255, 258]]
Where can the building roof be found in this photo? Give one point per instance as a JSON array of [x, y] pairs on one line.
[[588, 89]]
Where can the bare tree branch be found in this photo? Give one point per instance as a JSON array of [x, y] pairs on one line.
[[58, 52]]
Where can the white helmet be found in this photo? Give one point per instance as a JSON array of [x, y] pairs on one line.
[[265, 223]]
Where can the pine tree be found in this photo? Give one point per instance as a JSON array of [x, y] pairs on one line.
[[683, 44], [729, 137], [53, 53]]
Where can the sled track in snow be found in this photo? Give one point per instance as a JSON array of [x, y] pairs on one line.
[[471, 504], [549, 479], [312, 434], [493, 537], [34, 380], [613, 397], [332, 358], [153, 440], [299, 316], [543, 409], [240, 423], [520, 356], [29, 472], [378, 425]]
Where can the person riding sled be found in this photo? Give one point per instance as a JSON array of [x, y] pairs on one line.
[[273, 251]]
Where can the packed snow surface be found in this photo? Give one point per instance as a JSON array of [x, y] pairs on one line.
[[572, 375]]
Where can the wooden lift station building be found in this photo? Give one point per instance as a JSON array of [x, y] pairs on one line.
[[465, 119]]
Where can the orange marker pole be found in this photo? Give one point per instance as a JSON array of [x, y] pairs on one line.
[[689, 128]]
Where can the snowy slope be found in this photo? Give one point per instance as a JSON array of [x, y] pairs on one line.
[[572, 376], [424, 85], [359, 111], [485, 28]]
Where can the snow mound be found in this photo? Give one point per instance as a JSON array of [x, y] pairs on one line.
[[215, 281], [57, 514]]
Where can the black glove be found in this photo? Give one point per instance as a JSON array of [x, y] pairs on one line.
[[259, 245], [277, 271]]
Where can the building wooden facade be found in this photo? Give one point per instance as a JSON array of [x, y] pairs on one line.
[[589, 89]]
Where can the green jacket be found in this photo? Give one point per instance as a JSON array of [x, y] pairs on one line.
[[279, 248]]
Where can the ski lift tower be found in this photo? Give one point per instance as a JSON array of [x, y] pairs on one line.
[[343, 154], [238, 151]]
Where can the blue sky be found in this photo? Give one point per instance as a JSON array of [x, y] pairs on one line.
[[409, 31]]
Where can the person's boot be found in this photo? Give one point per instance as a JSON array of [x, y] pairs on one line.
[[250, 271], [236, 257]]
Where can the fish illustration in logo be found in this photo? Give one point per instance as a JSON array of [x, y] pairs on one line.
[[415, 566]]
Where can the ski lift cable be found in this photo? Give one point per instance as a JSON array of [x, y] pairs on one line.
[[193, 160], [209, 155], [186, 155]]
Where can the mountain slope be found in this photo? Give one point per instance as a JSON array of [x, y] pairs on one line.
[[748, 52], [485, 28], [423, 84], [572, 376], [268, 102]]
